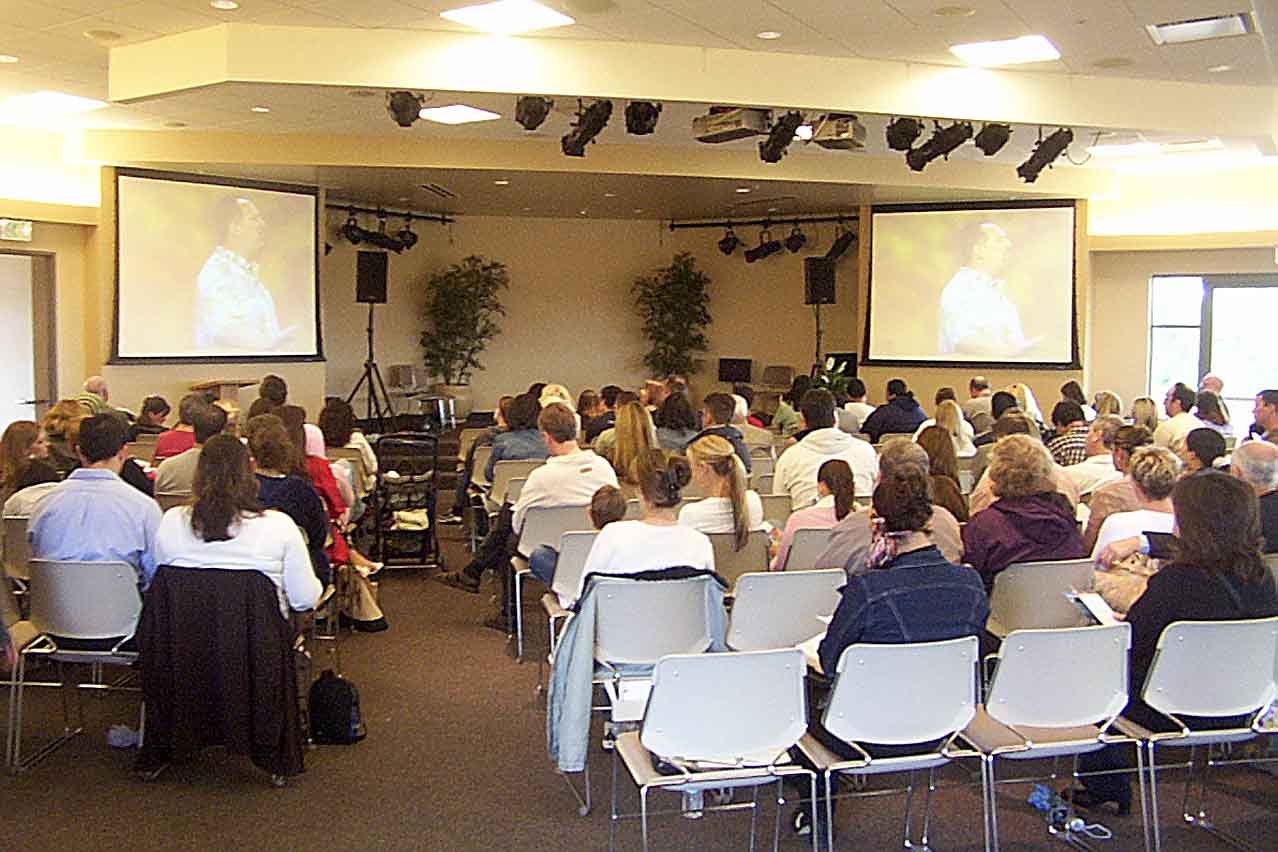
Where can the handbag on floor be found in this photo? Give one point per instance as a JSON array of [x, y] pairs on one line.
[[334, 711]]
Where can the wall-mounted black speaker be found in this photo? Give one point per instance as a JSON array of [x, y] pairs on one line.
[[370, 277], [818, 281]]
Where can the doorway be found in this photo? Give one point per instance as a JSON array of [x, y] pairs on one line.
[[27, 337]]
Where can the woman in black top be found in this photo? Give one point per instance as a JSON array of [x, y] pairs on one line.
[[289, 493]]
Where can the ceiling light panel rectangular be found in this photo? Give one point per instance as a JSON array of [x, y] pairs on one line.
[[507, 17], [457, 114], [1179, 32], [1012, 51]]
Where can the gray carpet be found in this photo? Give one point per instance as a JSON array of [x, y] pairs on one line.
[[455, 759]]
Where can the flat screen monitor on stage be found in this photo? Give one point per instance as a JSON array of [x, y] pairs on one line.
[[209, 269], [973, 285]]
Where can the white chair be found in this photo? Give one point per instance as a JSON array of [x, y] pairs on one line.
[[169, 499], [465, 440], [574, 547], [478, 478], [730, 563], [503, 472], [634, 510], [718, 720], [542, 526], [82, 601], [778, 610], [876, 699], [514, 488], [1206, 670], [1055, 693], [762, 465], [763, 483], [807, 545], [17, 549], [776, 509], [1033, 595]]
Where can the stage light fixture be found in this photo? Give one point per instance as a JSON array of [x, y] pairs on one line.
[[351, 230], [844, 241], [902, 132], [404, 107], [531, 111], [730, 242], [796, 241], [766, 247], [405, 235], [590, 122], [641, 117], [942, 141], [772, 149], [1044, 153], [992, 138]]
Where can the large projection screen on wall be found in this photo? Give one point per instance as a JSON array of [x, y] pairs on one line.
[[973, 285], [214, 270]]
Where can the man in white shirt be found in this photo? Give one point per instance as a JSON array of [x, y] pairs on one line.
[[859, 408], [796, 470], [176, 475], [1178, 403], [1098, 468], [977, 410], [976, 316]]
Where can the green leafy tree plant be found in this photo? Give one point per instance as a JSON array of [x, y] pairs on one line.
[[674, 306], [463, 303]]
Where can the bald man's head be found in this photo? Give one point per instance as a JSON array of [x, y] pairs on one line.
[[1256, 463], [96, 384], [1212, 382]]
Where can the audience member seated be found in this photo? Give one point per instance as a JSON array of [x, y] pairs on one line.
[[717, 413], [796, 470], [34, 479], [786, 420], [676, 423], [61, 424], [1145, 413], [657, 540], [461, 494], [1025, 401], [176, 475], [605, 418], [94, 515], [280, 487], [1180, 422], [746, 392], [608, 505], [835, 500], [1211, 410], [23, 440], [1216, 574], [1000, 403], [1107, 403], [272, 393], [521, 441], [93, 398], [1264, 413], [341, 429], [155, 410], [633, 435], [181, 437], [978, 410], [1073, 392], [728, 506], [899, 414], [983, 496], [1201, 449], [944, 470], [1120, 495], [590, 405], [1097, 468], [557, 393], [1070, 444], [1029, 521], [856, 404], [309, 442], [754, 436], [227, 528], [949, 417]]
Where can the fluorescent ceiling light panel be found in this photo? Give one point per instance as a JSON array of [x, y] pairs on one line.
[[457, 114], [49, 104], [508, 17], [1179, 32], [1012, 51], [1125, 149]]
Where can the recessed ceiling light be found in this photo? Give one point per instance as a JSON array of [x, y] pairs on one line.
[[954, 11], [582, 212], [1219, 69], [259, 109], [527, 209], [803, 132], [103, 36], [1201, 29], [224, 5], [742, 190], [768, 35], [43, 104], [7, 59], [502, 182], [507, 17], [457, 114], [175, 124], [638, 209], [610, 195], [1012, 51]]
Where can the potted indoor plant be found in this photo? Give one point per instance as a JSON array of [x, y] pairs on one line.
[[463, 303], [674, 307]]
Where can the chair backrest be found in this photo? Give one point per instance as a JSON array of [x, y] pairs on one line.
[[761, 465], [514, 488], [627, 610], [763, 483], [884, 437], [482, 454], [352, 455], [146, 437], [506, 470], [1033, 594], [692, 491], [466, 438], [17, 549], [169, 499], [1061, 678], [545, 525], [141, 450], [634, 510], [730, 563], [734, 709], [776, 509], [807, 545], [1214, 668], [84, 600], [574, 547], [876, 695], [780, 610]]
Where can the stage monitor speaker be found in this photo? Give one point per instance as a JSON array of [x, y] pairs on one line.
[[818, 281], [735, 370], [848, 359], [370, 277]]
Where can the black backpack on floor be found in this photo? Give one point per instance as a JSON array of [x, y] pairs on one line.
[[334, 711]]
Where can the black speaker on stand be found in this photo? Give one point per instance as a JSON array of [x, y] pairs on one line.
[[818, 290], [370, 289]]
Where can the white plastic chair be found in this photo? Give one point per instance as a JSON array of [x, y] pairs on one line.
[[574, 547], [17, 549], [720, 720], [763, 483], [778, 610], [776, 509], [169, 499], [876, 699], [83, 601], [503, 472], [762, 465], [730, 563], [542, 526], [806, 546], [478, 478], [1033, 595]]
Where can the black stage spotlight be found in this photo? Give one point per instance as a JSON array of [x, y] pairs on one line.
[[531, 111], [942, 141], [772, 149], [404, 107], [405, 235], [766, 247], [381, 239], [730, 242], [590, 122], [641, 117], [992, 138], [353, 233], [841, 244], [796, 241], [901, 133], [1044, 153]]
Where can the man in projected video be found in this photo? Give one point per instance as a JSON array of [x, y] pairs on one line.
[[976, 316], [234, 309]]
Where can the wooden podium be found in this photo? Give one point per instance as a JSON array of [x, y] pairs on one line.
[[227, 390]]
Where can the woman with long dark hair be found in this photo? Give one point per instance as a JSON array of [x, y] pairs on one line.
[[836, 488]]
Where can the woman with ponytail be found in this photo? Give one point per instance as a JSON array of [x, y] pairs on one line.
[[657, 540], [835, 488], [729, 506]]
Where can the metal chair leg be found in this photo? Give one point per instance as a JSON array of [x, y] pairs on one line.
[[1202, 819], [643, 815], [992, 838], [909, 805], [754, 814], [927, 808], [1144, 807], [612, 813], [518, 604], [1153, 800]]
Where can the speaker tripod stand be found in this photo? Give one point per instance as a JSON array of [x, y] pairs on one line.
[[377, 401]]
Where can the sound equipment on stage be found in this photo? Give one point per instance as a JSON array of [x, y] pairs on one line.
[[818, 281], [370, 277], [370, 289], [735, 370]]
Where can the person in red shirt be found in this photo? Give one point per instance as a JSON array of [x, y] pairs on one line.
[[181, 437]]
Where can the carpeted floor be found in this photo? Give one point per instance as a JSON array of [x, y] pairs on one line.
[[455, 759]]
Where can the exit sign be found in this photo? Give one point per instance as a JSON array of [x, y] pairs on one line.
[[15, 229]]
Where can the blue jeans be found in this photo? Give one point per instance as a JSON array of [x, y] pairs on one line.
[[542, 563]]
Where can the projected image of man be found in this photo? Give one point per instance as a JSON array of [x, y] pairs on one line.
[[976, 316], [234, 309]]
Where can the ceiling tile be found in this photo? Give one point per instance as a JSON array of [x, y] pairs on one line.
[[38, 15], [834, 18], [78, 28], [161, 18], [656, 26]]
